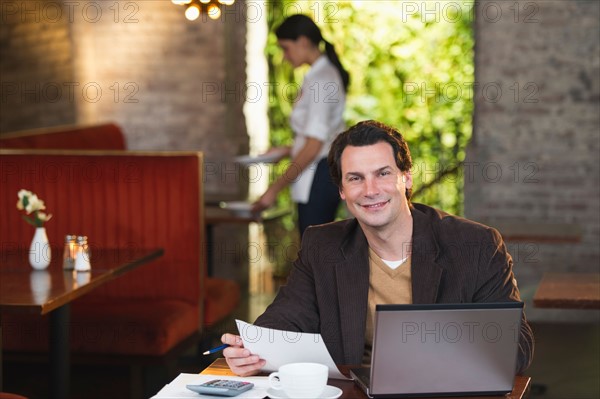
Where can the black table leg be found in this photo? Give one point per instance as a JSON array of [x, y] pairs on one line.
[[1, 370], [210, 250], [59, 352]]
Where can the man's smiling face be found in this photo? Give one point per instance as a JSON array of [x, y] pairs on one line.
[[373, 186]]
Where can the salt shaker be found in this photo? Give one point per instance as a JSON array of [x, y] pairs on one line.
[[70, 252], [82, 260]]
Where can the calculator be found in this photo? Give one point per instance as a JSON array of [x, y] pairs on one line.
[[221, 387]]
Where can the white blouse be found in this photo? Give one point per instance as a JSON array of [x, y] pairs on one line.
[[317, 113]]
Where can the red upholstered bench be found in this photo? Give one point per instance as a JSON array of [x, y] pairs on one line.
[[109, 136], [119, 199], [94, 137], [8, 395]]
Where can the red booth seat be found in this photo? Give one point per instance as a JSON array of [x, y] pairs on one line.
[[119, 199]]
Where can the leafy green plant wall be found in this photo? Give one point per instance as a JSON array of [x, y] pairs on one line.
[[411, 66]]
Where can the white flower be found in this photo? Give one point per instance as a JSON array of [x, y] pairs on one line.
[[43, 217], [30, 202], [23, 194], [34, 204]]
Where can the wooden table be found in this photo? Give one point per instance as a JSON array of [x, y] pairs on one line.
[[568, 291], [50, 291], [215, 214], [351, 390]]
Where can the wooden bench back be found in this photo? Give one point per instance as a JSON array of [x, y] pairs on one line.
[[106, 136]]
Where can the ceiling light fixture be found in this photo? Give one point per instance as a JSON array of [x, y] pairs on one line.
[[194, 8]]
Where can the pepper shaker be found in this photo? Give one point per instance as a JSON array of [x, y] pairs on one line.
[[70, 252]]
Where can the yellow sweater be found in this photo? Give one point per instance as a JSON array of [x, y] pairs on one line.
[[386, 286]]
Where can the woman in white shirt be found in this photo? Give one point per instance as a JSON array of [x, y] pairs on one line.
[[316, 119]]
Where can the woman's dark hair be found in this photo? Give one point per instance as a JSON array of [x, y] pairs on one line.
[[368, 133], [300, 25]]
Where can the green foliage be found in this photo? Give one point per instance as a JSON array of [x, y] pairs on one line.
[[410, 70]]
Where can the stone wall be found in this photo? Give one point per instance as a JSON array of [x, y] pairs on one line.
[[533, 163]]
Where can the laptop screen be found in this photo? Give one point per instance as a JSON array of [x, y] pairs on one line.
[[445, 349]]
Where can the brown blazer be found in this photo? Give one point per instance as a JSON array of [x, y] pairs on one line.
[[454, 260]]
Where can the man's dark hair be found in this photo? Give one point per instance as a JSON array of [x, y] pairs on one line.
[[368, 133]]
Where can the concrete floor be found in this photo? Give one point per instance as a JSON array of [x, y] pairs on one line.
[[566, 363]]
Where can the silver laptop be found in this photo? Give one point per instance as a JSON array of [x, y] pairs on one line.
[[442, 350]]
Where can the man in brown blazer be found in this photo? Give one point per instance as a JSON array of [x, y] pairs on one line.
[[393, 251]]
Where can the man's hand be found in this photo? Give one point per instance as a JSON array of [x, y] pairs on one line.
[[239, 359]]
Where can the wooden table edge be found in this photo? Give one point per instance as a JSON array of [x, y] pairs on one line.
[[128, 266], [48, 307], [544, 299]]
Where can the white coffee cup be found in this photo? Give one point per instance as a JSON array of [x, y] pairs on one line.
[[300, 380]]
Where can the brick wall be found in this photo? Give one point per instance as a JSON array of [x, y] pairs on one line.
[[36, 66], [140, 64], [534, 159]]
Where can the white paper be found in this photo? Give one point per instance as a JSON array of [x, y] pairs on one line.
[[176, 389], [280, 347]]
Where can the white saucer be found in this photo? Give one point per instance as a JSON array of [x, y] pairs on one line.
[[240, 208], [328, 393], [270, 157]]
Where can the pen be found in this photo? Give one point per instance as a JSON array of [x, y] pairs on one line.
[[213, 350]]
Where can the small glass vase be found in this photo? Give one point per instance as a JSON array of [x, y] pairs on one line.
[[39, 251]]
